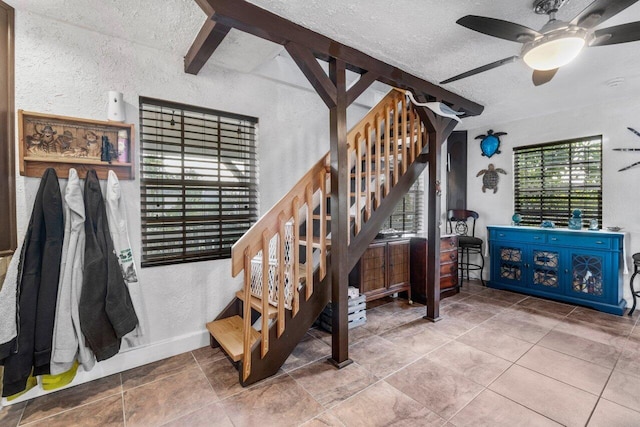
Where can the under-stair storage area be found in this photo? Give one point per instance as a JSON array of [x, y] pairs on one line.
[[383, 269]]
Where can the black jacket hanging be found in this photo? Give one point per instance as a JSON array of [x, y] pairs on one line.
[[38, 287], [106, 311]]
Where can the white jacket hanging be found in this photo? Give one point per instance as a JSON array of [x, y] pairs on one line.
[[117, 220], [68, 341], [9, 304]]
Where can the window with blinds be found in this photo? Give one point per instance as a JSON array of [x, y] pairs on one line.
[[198, 184], [551, 180], [407, 215]]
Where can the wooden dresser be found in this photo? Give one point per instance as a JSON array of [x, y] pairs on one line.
[[448, 267], [383, 269]]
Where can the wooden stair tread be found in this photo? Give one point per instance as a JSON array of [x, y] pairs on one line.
[[256, 304], [228, 332], [315, 241]]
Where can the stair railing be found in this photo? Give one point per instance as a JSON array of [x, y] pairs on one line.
[[386, 141], [381, 148], [280, 261]]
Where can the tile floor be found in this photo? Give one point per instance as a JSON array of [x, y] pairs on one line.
[[495, 359]]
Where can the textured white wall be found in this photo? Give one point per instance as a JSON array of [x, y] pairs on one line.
[[67, 70], [620, 197]]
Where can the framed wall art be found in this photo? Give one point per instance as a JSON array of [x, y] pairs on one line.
[[61, 142]]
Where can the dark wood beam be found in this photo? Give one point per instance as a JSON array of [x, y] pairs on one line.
[[252, 19], [339, 217], [360, 86], [206, 7], [312, 70], [361, 241], [207, 41], [438, 130]]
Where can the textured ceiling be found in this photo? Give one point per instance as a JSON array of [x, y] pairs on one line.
[[419, 36]]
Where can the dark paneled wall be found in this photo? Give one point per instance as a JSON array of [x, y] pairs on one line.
[[457, 170]]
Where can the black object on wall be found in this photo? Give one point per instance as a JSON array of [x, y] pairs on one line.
[[457, 170]]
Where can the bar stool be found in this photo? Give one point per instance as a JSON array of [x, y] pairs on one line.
[[636, 267], [468, 244]]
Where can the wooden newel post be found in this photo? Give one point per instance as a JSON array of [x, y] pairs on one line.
[[339, 217]]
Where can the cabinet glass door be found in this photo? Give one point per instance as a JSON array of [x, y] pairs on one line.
[[587, 278], [545, 269], [511, 265]]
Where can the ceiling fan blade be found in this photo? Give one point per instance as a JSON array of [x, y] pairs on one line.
[[599, 11], [541, 77], [624, 33], [498, 28], [480, 69]]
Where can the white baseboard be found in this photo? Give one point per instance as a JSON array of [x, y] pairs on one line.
[[126, 359]]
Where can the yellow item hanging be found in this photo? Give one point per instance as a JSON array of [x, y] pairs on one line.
[[31, 383], [52, 382]]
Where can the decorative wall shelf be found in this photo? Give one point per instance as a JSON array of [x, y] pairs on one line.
[[59, 142]]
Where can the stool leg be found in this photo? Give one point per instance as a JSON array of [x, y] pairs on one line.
[[633, 293], [468, 261], [461, 266]]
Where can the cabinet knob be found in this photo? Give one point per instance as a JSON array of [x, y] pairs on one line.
[[501, 234], [536, 237], [452, 255], [554, 238], [599, 242]]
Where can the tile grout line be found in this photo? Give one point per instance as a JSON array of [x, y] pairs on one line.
[[611, 374], [64, 410]]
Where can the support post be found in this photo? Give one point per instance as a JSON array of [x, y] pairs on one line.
[[438, 130], [339, 217]]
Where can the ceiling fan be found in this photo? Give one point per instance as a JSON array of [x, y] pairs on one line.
[[558, 42]]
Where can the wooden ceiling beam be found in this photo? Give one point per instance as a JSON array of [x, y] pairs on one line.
[[207, 41], [206, 7], [360, 86], [314, 73], [247, 17]]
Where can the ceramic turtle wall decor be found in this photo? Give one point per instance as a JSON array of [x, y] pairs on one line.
[[490, 143], [490, 178]]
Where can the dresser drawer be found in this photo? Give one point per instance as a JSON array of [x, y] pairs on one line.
[[447, 243], [517, 236], [594, 241], [448, 269], [448, 282], [448, 256]]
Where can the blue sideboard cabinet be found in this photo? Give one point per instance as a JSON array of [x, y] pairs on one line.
[[578, 267]]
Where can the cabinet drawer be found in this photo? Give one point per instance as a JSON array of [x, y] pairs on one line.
[[447, 243], [448, 256], [602, 242], [517, 236], [448, 282], [448, 269]]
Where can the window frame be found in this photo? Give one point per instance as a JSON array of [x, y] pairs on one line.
[[578, 197], [201, 229]]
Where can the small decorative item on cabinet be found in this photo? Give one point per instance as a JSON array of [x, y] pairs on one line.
[[67, 142], [516, 219], [575, 222]]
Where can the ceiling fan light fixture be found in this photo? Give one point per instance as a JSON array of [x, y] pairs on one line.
[[554, 51]]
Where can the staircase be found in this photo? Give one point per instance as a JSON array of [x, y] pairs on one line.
[[286, 254]]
